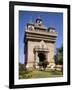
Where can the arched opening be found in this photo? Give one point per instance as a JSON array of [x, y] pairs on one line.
[[42, 57]]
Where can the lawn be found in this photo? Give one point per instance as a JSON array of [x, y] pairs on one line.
[[39, 74]]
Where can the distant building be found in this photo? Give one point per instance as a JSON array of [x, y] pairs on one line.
[[39, 43]]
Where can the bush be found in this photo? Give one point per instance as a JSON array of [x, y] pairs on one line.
[[25, 74], [43, 64], [22, 67]]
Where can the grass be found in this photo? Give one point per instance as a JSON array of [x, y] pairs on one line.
[[39, 74]]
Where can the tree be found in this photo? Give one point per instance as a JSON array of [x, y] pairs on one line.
[[22, 67], [43, 64], [59, 56]]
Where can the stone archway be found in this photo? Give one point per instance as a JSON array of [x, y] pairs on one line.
[[41, 56]]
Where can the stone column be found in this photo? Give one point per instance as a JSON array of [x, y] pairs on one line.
[[37, 59], [47, 56], [47, 59], [34, 58]]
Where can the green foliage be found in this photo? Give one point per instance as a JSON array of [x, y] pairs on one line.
[[22, 67], [39, 74], [43, 64], [59, 56], [25, 74]]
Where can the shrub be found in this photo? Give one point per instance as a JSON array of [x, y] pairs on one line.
[[43, 64], [22, 67]]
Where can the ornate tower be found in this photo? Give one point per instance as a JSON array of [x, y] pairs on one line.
[[39, 43]]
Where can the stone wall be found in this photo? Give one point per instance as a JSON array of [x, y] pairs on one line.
[[31, 55]]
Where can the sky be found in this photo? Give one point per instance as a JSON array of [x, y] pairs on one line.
[[53, 19]]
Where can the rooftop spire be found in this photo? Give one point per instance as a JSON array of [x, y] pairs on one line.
[[30, 22], [38, 18]]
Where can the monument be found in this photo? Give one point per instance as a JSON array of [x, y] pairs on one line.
[[39, 43]]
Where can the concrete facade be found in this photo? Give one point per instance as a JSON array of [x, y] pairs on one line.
[[39, 41]]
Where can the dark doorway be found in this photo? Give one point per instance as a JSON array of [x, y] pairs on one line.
[[41, 56]]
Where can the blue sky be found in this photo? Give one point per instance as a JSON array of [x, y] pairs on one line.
[[49, 19]]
